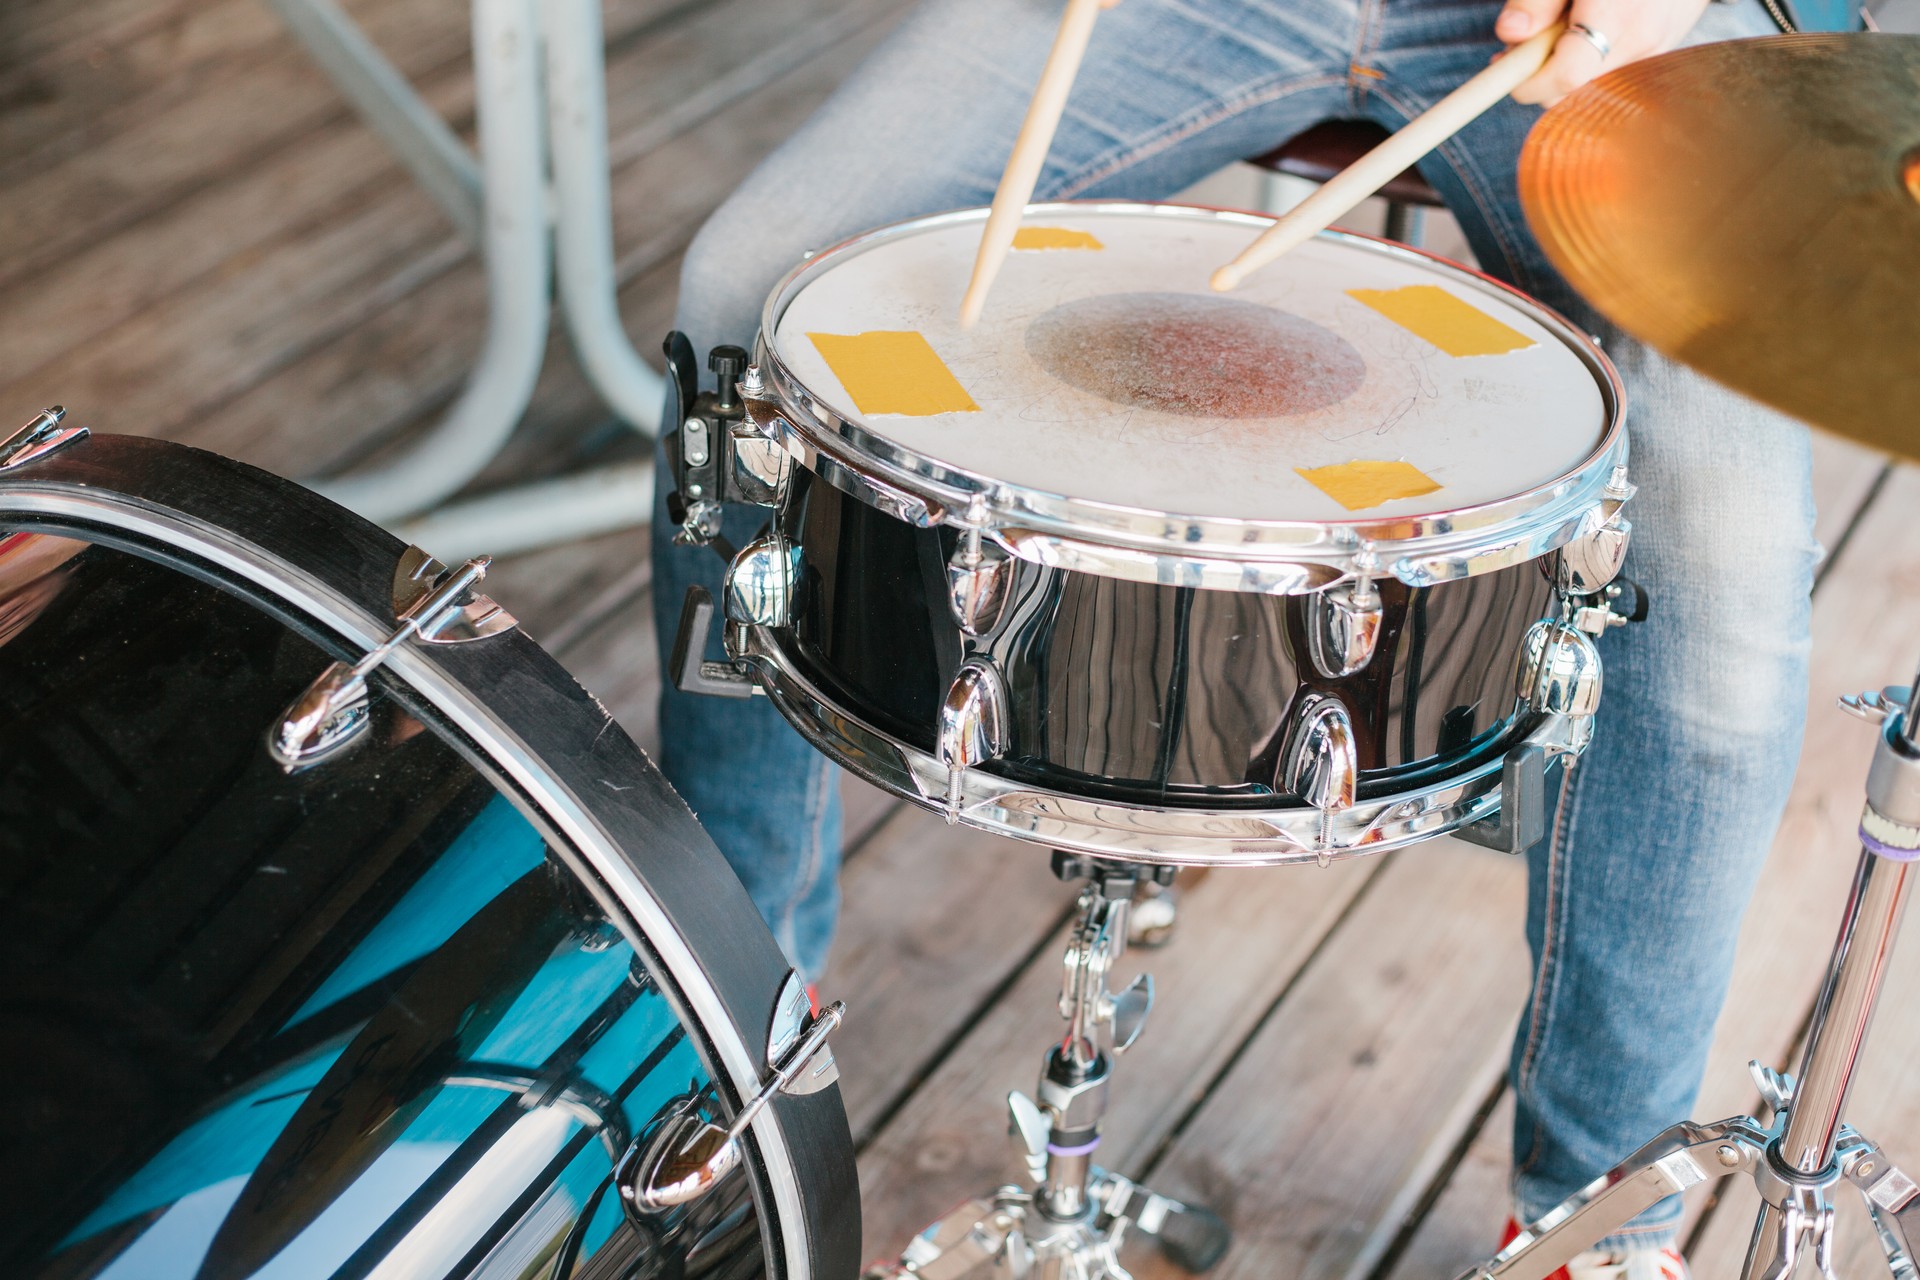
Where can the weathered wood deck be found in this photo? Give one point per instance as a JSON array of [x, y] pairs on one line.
[[199, 241]]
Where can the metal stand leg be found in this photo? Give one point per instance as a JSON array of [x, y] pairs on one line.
[[507, 89], [1073, 1222], [501, 206], [541, 513], [1798, 1159], [583, 213], [438, 160], [1895, 1229]]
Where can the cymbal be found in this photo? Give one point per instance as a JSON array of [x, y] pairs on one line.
[[1752, 209]]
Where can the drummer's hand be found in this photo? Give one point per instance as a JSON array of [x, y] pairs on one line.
[[1635, 29]]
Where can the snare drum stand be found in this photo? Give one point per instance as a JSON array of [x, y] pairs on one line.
[[1070, 1226], [1800, 1158]]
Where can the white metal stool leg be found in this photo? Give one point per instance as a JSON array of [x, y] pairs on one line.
[[507, 83], [420, 138], [583, 212], [501, 206], [538, 514]]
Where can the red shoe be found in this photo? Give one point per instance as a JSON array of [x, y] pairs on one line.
[[1513, 1230], [1627, 1264]]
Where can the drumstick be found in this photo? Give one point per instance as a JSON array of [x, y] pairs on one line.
[[1376, 168], [1029, 152]]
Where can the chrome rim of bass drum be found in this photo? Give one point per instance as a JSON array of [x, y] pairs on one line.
[[545, 743]]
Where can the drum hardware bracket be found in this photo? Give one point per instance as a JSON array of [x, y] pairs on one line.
[[437, 606], [38, 438], [690, 670], [688, 1156], [1155, 914], [716, 452], [1522, 818], [1598, 612], [1620, 489], [1890, 821], [1073, 1221], [979, 576], [792, 1014], [416, 579]]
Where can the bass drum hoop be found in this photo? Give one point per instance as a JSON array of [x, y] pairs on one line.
[[1275, 557], [148, 495]]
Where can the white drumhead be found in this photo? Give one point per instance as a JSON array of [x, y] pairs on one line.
[[1113, 375]]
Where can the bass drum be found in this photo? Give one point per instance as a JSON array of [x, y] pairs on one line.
[[401, 1010]]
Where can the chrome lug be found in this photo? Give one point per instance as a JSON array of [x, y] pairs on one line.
[[1596, 555], [1343, 628], [972, 727], [1322, 763], [1559, 670], [761, 464], [979, 579], [761, 582]]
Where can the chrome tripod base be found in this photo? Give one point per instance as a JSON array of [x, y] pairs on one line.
[[1071, 1225], [1796, 1223], [1801, 1158], [1009, 1233]]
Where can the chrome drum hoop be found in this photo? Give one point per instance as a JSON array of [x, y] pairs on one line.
[[1272, 557], [1240, 837]]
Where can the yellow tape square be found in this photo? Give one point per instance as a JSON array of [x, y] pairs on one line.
[[893, 371], [1455, 326], [1359, 485], [1055, 238]]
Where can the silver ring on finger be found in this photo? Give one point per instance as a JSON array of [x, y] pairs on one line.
[[1600, 43]]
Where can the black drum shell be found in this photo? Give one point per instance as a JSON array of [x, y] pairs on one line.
[[503, 724], [1143, 693]]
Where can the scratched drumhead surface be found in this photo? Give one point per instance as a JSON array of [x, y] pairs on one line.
[[1342, 382]]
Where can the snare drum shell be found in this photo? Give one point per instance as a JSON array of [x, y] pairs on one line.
[[1141, 693], [175, 982]]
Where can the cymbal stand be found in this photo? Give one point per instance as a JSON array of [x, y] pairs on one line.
[[1070, 1225], [1800, 1157]]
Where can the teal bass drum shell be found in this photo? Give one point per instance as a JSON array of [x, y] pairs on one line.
[[399, 1012]]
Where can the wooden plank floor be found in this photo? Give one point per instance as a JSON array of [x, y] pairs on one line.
[[201, 242]]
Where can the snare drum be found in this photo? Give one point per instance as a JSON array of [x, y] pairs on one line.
[[418, 990], [1131, 568]]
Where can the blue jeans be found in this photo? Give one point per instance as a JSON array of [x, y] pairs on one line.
[[1636, 897]]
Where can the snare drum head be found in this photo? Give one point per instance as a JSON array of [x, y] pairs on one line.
[[1350, 379]]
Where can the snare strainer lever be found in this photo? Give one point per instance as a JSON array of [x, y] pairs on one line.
[[435, 605]]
